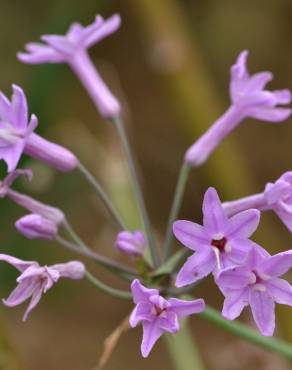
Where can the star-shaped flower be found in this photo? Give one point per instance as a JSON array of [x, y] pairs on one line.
[[219, 243], [157, 314], [36, 280], [256, 283]]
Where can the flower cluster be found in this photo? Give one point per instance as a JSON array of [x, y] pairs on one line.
[[245, 272]]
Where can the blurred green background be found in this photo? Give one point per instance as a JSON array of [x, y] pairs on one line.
[[169, 65]]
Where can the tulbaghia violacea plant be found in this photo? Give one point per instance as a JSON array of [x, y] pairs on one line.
[[160, 284]]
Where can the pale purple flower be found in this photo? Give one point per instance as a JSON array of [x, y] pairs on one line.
[[256, 283], [17, 136], [157, 314], [35, 226], [249, 100], [277, 197], [25, 201], [72, 49], [36, 280], [132, 243], [219, 243]]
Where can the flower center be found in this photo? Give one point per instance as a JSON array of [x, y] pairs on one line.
[[257, 281], [219, 244], [159, 311]]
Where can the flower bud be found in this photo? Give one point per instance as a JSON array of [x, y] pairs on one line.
[[34, 226], [131, 243]]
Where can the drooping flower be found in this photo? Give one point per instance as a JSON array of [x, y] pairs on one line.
[[219, 243], [133, 243], [257, 283], [277, 197], [25, 201], [157, 314], [35, 226], [249, 100], [36, 280], [17, 136], [72, 49]]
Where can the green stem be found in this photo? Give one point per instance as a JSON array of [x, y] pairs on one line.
[[102, 195], [176, 204], [183, 350], [248, 334], [107, 289], [119, 124], [74, 235], [102, 260]]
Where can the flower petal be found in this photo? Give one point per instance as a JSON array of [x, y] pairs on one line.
[[270, 114], [17, 263], [280, 290], [196, 267], [19, 108], [141, 312], [278, 264], [140, 293], [190, 234], [185, 308], [215, 220], [234, 303], [151, 333], [37, 295], [169, 323], [21, 293], [244, 224], [236, 277], [108, 27], [263, 311]]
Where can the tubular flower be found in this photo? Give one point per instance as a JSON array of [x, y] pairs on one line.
[[25, 201], [36, 280], [72, 49], [34, 226], [133, 243], [256, 283], [249, 100], [17, 136], [157, 314], [219, 243], [277, 197]]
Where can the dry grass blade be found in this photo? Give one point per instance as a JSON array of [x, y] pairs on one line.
[[111, 342]]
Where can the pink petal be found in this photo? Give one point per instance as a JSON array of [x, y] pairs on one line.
[[199, 265], [141, 312], [108, 27], [19, 108], [215, 220], [263, 311], [234, 303], [140, 293], [151, 333], [21, 293], [280, 290], [234, 278], [244, 224], [185, 308], [270, 114], [278, 264], [37, 295], [169, 323], [190, 234], [17, 263]]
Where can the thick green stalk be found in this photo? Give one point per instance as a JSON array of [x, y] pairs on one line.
[[250, 335], [183, 350], [107, 289], [175, 208], [102, 195], [119, 124]]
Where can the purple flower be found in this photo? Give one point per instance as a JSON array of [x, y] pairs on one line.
[[133, 243], [25, 201], [34, 226], [256, 283], [158, 314], [276, 197], [72, 49], [219, 243], [249, 99], [36, 280], [17, 136]]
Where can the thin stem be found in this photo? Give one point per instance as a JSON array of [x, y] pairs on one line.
[[102, 260], [102, 195], [176, 204], [107, 289], [74, 235], [248, 334], [118, 122]]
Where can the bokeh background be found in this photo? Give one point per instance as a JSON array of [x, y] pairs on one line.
[[169, 65]]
